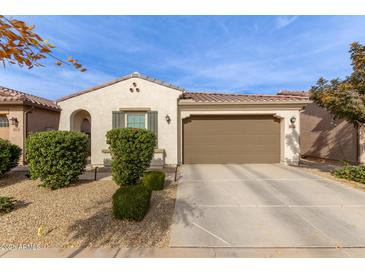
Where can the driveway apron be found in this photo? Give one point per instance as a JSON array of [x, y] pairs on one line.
[[265, 205]]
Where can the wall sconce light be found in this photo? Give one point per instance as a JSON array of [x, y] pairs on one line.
[[292, 122], [14, 121], [168, 119], [293, 119]]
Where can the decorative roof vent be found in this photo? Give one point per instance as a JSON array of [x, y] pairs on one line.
[[134, 87], [136, 74]]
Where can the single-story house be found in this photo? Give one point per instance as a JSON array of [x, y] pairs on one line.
[[323, 136], [191, 127], [22, 114]]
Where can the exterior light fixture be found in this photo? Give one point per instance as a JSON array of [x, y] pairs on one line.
[[14, 121], [168, 119], [293, 119]]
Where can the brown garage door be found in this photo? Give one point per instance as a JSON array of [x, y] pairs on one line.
[[231, 139]]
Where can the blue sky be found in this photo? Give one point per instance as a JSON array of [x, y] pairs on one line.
[[246, 54]]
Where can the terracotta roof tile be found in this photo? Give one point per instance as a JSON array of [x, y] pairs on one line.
[[8, 95], [301, 93], [207, 97]]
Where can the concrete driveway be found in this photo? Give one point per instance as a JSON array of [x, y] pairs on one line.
[[263, 205]]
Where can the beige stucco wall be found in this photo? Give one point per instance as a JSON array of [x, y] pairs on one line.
[[326, 138], [38, 120], [16, 132], [42, 120], [4, 131], [290, 150], [100, 104]]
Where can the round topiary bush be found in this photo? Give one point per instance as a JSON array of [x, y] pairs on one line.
[[132, 151], [9, 156], [155, 180], [131, 202], [57, 158]]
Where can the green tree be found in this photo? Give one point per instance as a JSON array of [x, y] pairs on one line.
[[345, 99]]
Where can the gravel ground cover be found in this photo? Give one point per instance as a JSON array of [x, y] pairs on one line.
[[80, 216]]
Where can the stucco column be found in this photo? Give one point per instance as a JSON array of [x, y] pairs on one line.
[[291, 139], [361, 145]]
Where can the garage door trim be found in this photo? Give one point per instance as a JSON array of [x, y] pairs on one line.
[[262, 139]]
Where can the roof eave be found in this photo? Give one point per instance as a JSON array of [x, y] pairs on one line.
[[43, 107], [189, 102], [127, 77], [27, 103]]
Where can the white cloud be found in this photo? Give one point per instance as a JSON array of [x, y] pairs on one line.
[[284, 21]]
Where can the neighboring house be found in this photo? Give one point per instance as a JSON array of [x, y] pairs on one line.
[[191, 127], [22, 114], [324, 137]]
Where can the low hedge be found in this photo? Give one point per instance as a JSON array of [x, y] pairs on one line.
[[132, 151], [353, 173], [57, 158], [9, 156], [6, 204], [155, 180], [131, 202]]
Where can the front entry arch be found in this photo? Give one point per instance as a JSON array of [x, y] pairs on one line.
[[80, 121]]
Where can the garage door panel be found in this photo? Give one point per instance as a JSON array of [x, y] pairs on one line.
[[235, 139], [231, 139], [226, 133], [260, 152], [201, 129], [211, 148], [233, 159]]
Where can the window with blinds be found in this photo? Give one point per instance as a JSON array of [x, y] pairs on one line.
[[4, 122], [136, 120]]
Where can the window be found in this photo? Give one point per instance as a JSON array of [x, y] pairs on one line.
[[136, 120], [4, 122]]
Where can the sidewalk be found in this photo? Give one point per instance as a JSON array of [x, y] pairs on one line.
[[186, 253]]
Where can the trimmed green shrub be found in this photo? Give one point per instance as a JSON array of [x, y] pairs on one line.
[[57, 158], [353, 173], [9, 156], [15, 153], [132, 151], [6, 204], [155, 180], [131, 202]]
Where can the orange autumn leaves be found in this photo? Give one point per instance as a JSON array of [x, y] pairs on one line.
[[20, 44]]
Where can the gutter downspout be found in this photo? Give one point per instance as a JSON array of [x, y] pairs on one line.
[[359, 142], [25, 130]]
